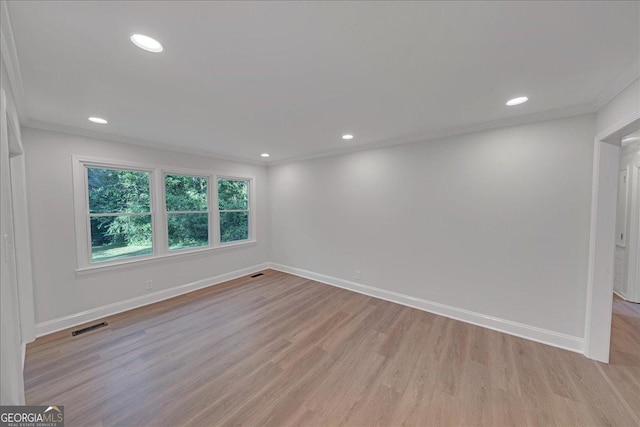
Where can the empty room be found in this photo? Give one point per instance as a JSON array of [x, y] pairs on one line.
[[320, 213]]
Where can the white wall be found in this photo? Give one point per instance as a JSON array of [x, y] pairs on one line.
[[494, 222], [59, 291], [619, 110]]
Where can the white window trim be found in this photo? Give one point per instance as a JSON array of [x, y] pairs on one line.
[[251, 210], [210, 200], [158, 212]]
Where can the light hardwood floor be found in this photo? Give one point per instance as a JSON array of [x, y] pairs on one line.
[[281, 350]]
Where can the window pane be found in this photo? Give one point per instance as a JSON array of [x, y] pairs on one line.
[[186, 193], [116, 237], [188, 230], [233, 194], [234, 226], [118, 191]]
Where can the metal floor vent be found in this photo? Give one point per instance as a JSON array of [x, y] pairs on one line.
[[89, 328], [257, 275]]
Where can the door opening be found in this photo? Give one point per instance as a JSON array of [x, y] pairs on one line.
[[603, 239]]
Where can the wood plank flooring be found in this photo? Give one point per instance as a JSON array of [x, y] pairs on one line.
[[280, 350]]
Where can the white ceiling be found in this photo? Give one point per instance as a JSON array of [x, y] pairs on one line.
[[289, 78]]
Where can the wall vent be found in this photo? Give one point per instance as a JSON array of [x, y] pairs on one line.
[[89, 328]]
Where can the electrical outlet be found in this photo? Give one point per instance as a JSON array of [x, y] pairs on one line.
[[356, 275], [149, 285]]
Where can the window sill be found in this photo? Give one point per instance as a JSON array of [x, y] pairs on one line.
[[99, 268]]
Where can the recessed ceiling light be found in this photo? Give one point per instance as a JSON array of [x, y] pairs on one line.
[[347, 136], [265, 154], [147, 43], [517, 101], [98, 120]]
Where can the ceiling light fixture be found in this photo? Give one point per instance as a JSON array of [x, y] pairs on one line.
[[147, 43], [265, 154], [98, 120], [347, 136], [517, 101]]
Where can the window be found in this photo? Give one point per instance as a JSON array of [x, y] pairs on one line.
[[233, 207], [119, 213], [187, 205], [128, 212]]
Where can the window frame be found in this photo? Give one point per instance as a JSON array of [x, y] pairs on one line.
[[166, 212], [250, 209], [158, 212], [90, 215]]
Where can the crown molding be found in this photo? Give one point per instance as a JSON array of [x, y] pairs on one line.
[[618, 85], [611, 91], [53, 127], [9, 57], [451, 131]]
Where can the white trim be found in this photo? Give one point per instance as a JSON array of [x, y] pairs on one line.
[[158, 212], [521, 330], [435, 134], [634, 288], [104, 136], [438, 133], [447, 132], [604, 193], [632, 276], [592, 243], [601, 251], [622, 234], [22, 247], [24, 354], [620, 294], [65, 322], [251, 211], [559, 113], [9, 56], [621, 127], [138, 261], [617, 86], [15, 137]]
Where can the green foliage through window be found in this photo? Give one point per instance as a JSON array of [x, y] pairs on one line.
[[187, 211], [233, 203], [120, 215], [123, 192], [186, 193]]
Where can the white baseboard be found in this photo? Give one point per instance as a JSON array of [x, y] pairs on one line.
[[533, 333], [625, 297], [521, 330], [65, 322], [620, 294]]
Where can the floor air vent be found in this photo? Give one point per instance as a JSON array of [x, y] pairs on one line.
[[89, 328], [257, 275]]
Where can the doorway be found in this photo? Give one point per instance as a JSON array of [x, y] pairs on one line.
[[602, 244], [625, 278]]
